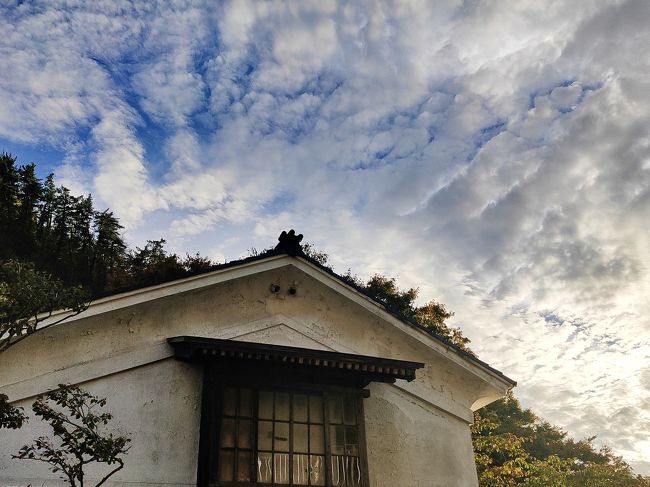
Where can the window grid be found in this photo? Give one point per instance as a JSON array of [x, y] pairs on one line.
[[329, 457], [300, 464], [345, 467], [236, 446]]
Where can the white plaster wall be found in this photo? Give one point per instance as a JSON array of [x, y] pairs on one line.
[[411, 444], [160, 402], [158, 405]]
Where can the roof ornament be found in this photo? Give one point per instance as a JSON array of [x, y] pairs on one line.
[[290, 243]]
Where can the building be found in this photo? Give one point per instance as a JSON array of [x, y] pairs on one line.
[[270, 370]]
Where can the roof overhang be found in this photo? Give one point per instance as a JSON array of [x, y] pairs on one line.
[[317, 365]]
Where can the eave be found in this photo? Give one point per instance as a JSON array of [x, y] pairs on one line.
[[322, 365]]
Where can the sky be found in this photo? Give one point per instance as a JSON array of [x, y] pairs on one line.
[[496, 154]]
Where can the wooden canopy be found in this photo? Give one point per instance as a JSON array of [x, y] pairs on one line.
[[318, 365]]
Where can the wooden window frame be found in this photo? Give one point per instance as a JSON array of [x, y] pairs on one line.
[[216, 380]]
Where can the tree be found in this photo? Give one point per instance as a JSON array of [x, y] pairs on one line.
[[58, 232], [28, 297], [431, 315], [9, 179], [78, 426], [10, 416], [109, 252], [499, 448], [513, 446], [150, 265]]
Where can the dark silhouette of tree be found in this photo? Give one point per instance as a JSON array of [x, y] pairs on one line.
[[11, 417], [63, 235], [109, 251], [29, 297]]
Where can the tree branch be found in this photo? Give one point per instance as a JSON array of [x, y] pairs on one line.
[[119, 467]]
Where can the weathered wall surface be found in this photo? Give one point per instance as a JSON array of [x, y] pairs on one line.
[[157, 404], [417, 434], [412, 444]]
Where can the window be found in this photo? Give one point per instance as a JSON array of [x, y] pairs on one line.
[[256, 431], [296, 438]]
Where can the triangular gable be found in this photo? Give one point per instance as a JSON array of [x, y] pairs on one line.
[[276, 259]]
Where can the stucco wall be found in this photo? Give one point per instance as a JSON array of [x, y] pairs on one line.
[[157, 404], [409, 443], [412, 444], [418, 430]]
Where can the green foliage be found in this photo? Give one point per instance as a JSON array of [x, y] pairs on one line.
[[431, 315], [499, 447], [10, 416], [319, 256], [65, 236], [28, 296], [555, 472], [78, 426], [153, 264], [149, 265], [385, 289], [60, 233], [512, 446]]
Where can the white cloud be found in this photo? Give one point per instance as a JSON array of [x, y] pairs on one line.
[[495, 154]]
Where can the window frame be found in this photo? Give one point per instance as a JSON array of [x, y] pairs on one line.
[[216, 380]]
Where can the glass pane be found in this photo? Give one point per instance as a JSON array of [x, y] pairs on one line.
[[316, 439], [265, 435], [244, 434], [334, 404], [229, 402], [244, 466], [353, 471], [246, 403], [316, 470], [265, 410], [281, 438], [226, 461], [227, 433], [300, 440], [346, 470], [351, 440], [300, 469], [338, 470], [281, 468], [282, 406], [264, 468], [300, 408], [337, 439], [349, 413], [315, 409]]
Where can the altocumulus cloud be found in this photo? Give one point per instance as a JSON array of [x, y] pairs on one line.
[[496, 154]]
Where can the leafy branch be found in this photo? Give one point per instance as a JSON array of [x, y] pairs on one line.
[[28, 297]]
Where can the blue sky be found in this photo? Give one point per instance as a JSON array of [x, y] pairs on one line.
[[495, 154]]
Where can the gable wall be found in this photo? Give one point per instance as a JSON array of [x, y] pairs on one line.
[[435, 405]]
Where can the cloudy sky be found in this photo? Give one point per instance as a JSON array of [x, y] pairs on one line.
[[495, 154]]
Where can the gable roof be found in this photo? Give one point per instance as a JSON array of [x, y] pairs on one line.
[[289, 246]]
